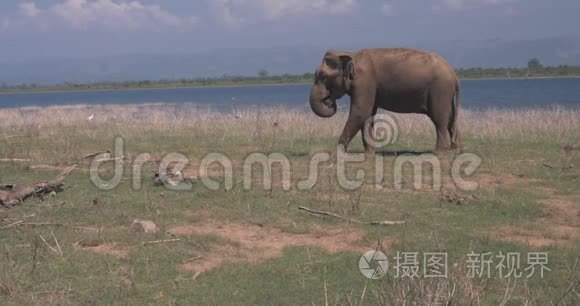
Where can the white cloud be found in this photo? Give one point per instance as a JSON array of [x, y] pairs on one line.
[[280, 8], [29, 9], [460, 4], [104, 14], [235, 13], [387, 9], [453, 4], [225, 12]]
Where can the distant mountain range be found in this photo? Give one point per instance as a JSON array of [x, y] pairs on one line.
[[292, 60]]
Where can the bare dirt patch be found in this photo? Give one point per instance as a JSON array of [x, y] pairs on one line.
[[498, 180], [561, 226], [253, 243], [546, 190], [563, 211], [105, 249], [530, 238], [483, 181]]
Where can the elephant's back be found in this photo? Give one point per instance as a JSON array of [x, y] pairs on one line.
[[399, 54], [414, 63]]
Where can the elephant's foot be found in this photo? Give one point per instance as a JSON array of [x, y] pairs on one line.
[[455, 146], [370, 153], [439, 150], [451, 149]]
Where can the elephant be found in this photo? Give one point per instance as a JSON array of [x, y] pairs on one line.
[[400, 80]]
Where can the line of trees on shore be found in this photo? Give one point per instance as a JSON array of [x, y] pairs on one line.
[[534, 69]]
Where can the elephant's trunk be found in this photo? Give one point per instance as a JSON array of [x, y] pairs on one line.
[[322, 105]]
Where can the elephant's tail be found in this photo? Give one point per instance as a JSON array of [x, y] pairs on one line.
[[453, 125]]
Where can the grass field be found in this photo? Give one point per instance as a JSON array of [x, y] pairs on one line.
[[254, 246]]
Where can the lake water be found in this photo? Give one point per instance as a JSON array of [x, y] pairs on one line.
[[476, 94]]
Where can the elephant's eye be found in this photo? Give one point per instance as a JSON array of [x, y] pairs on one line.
[[322, 78]]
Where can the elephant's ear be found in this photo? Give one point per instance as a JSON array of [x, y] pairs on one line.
[[347, 66]]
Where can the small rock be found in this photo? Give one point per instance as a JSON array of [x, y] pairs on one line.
[[143, 226], [173, 179], [459, 199]]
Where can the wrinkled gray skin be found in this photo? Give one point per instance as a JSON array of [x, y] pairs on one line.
[[397, 80]]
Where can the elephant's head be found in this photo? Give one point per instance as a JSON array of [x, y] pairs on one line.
[[332, 80]]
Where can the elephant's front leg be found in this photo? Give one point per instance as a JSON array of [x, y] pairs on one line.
[[362, 109], [368, 134], [353, 125]]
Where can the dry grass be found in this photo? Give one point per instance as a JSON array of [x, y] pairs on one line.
[[555, 122], [61, 135]]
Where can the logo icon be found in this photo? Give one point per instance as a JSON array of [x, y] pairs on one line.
[[373, 264]]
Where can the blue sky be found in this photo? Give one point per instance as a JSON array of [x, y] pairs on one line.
[[84, 28]]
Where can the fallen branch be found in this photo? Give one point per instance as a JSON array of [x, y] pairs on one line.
[[329, 214], [160, 241], [104, 159], [16, 194], [12, 224], [33, 224], [14, 136], [554, 167], [15, 160], [194, 259], [570, 288], [93, 155], [48, 245], [40, 224], [388, 222], [87, 229]]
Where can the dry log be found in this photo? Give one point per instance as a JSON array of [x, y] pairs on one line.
[[7, 187], [17, 194]]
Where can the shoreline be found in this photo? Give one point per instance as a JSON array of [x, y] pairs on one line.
[[209, 108], [150, 88], [56, 90]]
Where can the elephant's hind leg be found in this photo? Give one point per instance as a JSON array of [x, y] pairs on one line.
[[453, 126], [442, 134], [455, 136], [441, 113]]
